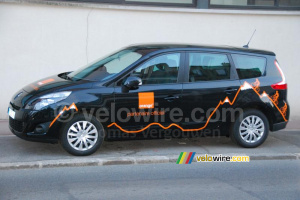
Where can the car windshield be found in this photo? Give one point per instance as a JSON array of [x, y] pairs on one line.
[[106, 68]]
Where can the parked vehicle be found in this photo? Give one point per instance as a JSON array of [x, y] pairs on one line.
[[139, 87]]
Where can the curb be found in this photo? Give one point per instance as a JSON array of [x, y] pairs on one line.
[[123, 161]]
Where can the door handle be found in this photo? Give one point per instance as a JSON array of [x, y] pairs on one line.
[[171, 98], [229, 90]]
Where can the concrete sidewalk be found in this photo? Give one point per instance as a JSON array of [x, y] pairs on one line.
[[17, 153]]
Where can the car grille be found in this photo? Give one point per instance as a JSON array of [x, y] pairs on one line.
[[16, 125]]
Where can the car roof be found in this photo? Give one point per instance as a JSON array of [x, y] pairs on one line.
[[159, 47]]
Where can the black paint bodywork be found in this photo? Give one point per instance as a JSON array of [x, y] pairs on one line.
[[90, 96]]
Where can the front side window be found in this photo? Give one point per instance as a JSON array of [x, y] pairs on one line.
[[159, 70], [208, 67], [249, 66]]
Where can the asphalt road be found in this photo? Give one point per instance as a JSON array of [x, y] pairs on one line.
[[254, 180]]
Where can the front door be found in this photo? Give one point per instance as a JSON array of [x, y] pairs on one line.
[[152, 103]]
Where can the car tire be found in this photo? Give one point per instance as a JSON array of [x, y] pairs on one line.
[[81, 136], [250, 129]]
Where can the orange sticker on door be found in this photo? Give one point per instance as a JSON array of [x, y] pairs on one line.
[[146, 100], [45, 81]]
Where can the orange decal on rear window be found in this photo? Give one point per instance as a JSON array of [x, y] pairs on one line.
[[146, 100], [45, 81]]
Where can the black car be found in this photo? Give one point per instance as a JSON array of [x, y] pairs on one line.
[[241, 92]]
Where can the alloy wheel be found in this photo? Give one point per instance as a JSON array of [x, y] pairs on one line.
[[252, 129], [82, 135]]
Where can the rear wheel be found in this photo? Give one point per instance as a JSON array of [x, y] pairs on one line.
[[81, 136], [250, 129]]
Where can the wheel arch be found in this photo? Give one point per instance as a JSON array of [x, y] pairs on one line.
[[257, 106], [263, 108]]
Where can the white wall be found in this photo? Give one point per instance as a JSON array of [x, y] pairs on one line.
[[41, 40]]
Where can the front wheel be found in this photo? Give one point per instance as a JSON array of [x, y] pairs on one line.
[[250, 129], [81, 136]]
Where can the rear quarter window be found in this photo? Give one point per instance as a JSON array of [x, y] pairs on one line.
[[249, 66]]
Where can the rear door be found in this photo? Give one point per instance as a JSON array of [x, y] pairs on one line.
[[211, 84]]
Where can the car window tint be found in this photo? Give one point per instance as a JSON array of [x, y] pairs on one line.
[[249, 66], [158, 70], [208, 67]]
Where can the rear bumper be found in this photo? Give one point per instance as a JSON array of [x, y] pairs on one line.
[[278, 126]]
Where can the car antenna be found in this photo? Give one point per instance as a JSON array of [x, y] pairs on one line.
[[247, 45]]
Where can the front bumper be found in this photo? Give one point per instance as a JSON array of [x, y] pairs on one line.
[[32, 136], [25, 123]]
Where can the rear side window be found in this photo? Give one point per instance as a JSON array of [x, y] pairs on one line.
[[249, 66], [208, 67]]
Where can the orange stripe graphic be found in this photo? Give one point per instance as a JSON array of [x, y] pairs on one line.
[[246, 85], [46, 81], [34, 87], [72, 106]]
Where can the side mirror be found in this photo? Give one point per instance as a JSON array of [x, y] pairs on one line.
[[131, 83]]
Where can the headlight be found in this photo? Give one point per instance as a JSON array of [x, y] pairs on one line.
[[48, 99]]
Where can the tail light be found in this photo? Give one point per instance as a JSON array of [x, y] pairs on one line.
[[282, 85]]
